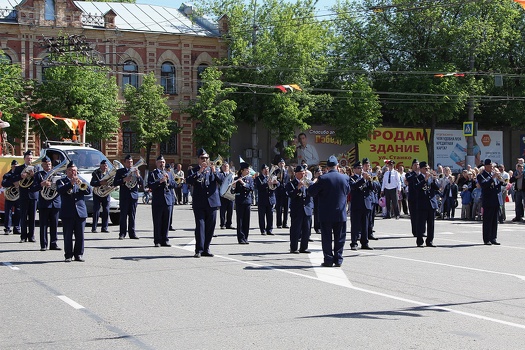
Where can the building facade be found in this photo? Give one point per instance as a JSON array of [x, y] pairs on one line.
[[131, 39]]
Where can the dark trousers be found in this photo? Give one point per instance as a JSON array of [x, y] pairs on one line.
[[27, 218], [205, 219], [243, 221], [425, 217], [226, 212], [391, 202], [359, 230], [519, 199], [178, 195], [73, 227], [372, 219], [337, 232], [490, 224], [300, 229], [97, 204], [161, 217], [281, 208], [48, 217], [317, 225], [265, 218], [12, 216], [412, 207], [128, 209]]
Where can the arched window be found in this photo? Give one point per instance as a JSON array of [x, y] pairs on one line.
[[167, 78], [130, 142], [130, 75], [200, 69], [5, 59], [49, 10]]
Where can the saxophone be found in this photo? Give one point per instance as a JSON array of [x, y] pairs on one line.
[[49, 193], [104, 190]]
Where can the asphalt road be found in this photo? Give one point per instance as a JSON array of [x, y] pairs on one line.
[[131, 295]]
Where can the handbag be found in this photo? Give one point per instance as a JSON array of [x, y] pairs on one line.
[[382, 202]]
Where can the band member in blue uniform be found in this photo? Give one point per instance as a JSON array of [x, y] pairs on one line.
[[332, 188], [411, 179], [128, 178], [318, 171], [11, 208], [100, 202], [266, 200], [490, 182], [28, 196], [161, 183], [243, 188], [301, 209], [48, 208], [73, 212], [281, 200], [360, 207], [206, 181], [226, 212], [426, 189]]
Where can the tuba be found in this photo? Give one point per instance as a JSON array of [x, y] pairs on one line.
[[104, 190], [28, 181], [133, 171], [49, 193]]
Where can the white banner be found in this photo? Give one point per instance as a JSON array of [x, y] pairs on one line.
[[450, 148]]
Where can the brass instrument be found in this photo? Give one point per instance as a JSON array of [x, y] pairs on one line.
[[28, 180], [165, 175], [49, 193], [81, 184], [272, 178], [12, 193], [218, 161], [133, 171], [104, 190], [177, 178], [306, 183]]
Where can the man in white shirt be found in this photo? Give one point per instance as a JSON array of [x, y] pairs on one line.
[[306, 152], [391, 189]]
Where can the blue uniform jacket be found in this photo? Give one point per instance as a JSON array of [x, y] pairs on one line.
[[44, 203], [361, 193], [490, 189], [300, 199], [426, 191], [411, 178], [32, 191], [266, 197], [332, 189], [243, 194], [162, 194], [72, 203], [125, 192], [283, 180], [205, 187]]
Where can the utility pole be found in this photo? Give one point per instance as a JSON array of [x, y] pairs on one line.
[[471, 157], [255, 141]]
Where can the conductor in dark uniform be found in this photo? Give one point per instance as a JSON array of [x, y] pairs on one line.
[[28, 197], [48, 209], [411, 178], [243, 188], [206, 181], [281, 200], [161, 183], [73, 212], [128, 178], [490, 183], [11, 208], [360, 207], [332, 189], [266, 201], [426, 188], [100, 202], [301, 210]]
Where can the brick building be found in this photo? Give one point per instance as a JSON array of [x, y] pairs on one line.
[[132, 39]]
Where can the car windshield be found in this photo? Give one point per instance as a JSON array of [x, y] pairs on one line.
[[87, 159]]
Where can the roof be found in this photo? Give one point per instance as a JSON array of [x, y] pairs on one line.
[[134, 17]]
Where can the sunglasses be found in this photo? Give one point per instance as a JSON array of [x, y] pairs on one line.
[[204, 157]]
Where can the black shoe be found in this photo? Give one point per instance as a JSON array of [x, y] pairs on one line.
[[286, 226], [165, 245], [279, 227], [157, 245], [43, 249], [171, 229], [197, 255], [317, 231], [105, 230], [134, 237], [7, 232], [431, 245], [79, 258], [367, 247], [222, 227], [294, 251], [32, 240], [230, 228], [23, 240], [270, 233], [373, 238], [263, 233], [516, 219], [353, 246], [310, 240], [68, 260], [337, 265], [327, 264], [93, 231], [55, 248], [494, 242], [120, 237], [488, 243], [207, 254], [420, 246], [304, 251]]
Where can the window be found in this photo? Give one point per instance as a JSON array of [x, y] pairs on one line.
[[5, 59], [130, 142], [170, 146], [167, 78], [130, 75], [200, 69], [49, 10]]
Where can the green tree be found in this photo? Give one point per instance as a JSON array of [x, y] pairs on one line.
[[214, 115], [72, 88], [149, 114]]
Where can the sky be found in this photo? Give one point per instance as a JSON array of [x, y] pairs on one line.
[[322, 5]]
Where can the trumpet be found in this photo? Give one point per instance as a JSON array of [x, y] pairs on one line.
[[166, 176], [81, 184]]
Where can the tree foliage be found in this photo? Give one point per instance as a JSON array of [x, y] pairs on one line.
[[214, 114], [149, 114]]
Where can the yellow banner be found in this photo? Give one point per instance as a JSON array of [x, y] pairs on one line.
[[399, 144]]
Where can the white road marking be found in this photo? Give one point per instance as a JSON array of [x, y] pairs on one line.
[[70, 302], [445, 233], [189, 246], [334, 276], [11, 266]]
